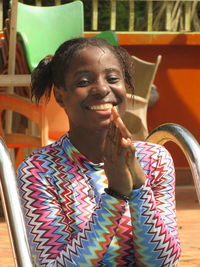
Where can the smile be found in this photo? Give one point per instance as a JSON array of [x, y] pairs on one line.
[[106, 106]]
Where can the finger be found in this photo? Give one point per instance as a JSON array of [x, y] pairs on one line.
[[131, 152], [107, 146], [111, 144], [130, 157], [126, 155], [128, 145], [114, 113], [116, 141], [119, 123]]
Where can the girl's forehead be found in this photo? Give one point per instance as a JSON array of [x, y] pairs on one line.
[[90, 54], [94, 50]]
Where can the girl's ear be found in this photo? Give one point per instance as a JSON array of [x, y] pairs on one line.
[[58, 93]]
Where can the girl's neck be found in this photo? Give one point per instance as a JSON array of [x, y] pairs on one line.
[[90, 144]]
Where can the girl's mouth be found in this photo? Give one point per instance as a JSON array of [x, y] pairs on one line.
[[101, 107]]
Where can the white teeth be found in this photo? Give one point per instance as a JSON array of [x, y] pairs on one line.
[[101, 107]]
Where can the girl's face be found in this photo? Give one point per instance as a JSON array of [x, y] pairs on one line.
[[93, 85]]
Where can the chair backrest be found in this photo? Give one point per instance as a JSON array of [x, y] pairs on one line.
[[33, 113], [109, 36], [44, 28], [135, 117], [144, 75]]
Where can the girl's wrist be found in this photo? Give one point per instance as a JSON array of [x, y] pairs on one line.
[[116, 194]]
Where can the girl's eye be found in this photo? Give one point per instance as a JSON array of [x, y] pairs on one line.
[[113, 79], [82, 83]]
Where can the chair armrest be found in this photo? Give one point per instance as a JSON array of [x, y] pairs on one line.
[[15, 80], [137, 98]]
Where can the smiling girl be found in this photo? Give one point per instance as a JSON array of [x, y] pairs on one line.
[[95, 197]]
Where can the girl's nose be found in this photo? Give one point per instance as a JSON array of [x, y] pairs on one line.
[[100, 88]]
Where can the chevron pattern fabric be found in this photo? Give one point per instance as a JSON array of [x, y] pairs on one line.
[[70, 221]]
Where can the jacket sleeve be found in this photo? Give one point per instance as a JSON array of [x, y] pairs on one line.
[[47, 225], [153, 213]]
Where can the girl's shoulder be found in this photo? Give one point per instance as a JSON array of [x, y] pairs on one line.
[[150, 149], [147, 145], [51, 149]]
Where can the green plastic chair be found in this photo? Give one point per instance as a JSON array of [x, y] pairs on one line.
[[109, 36], [43, 29]]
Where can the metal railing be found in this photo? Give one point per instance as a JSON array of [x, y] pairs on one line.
[[185, 140], [137, 15], [13, 210]]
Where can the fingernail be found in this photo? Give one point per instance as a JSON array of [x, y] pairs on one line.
[[129, 140], [123, 140]]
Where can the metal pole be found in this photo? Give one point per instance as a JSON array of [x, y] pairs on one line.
[[13, 210]]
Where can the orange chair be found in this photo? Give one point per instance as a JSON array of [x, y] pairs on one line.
[[57, 119], [21, 141]]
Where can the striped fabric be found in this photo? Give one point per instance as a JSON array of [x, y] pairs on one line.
[[71, 221]]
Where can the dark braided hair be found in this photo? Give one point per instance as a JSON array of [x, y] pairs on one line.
[[52, 69]]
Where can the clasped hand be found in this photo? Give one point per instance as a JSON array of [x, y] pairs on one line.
[[121, 165]]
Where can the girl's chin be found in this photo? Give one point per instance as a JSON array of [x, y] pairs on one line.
[[103, 125]]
